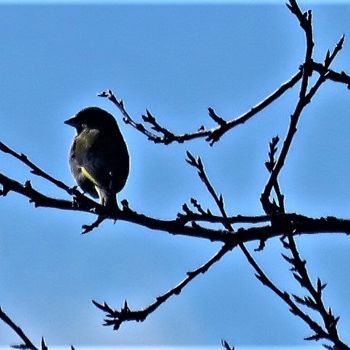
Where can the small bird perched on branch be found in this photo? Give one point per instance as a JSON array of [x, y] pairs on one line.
[[98, 157]]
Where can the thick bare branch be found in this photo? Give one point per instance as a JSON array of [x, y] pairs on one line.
[[178, 226]]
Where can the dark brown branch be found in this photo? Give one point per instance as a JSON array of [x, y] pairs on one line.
[[301, 224]]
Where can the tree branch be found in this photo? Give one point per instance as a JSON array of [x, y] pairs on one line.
[[304, 97], [197, 221], [314, 301], [116, 317], [162, 135], [301, 224]]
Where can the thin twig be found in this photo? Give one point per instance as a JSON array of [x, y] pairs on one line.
[[115, 318], [212, 135], [300, 272], [314, 301], [304, 96], [260, 274], [27, 344]]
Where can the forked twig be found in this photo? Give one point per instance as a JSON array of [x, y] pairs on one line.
[[115, 318], [304, 97]]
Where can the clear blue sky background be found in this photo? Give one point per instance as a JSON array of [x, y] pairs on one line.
[[176, 61]]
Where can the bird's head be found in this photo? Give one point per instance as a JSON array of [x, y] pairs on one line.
[[92, 118]]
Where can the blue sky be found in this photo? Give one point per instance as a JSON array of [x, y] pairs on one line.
[[175, 61], [171, 2]]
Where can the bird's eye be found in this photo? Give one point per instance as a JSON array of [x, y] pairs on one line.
[[84, 126]]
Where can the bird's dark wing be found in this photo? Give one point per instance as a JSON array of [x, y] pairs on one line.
[[105, 162], [77, 165]]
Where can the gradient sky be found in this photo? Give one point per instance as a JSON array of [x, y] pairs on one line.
[[175, 61]]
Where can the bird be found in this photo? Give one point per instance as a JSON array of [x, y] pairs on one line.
[[98, 157]]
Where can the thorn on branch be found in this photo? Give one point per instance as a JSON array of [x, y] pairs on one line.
[[186, 209], [270, 163], [341, 42], [43, 344], [320, 286], [195, 162], [149, 118], [284, 242], [127, 117], [303, 17], [315, 337], [217, 119], [197, 205], [189, 215], [226, 345], [168, 136], [28, 185], [115, 318], [221, 200], [183, 217], [288, 259], [125, 205]]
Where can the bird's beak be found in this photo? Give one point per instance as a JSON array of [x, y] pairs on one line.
[[71, 121]]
